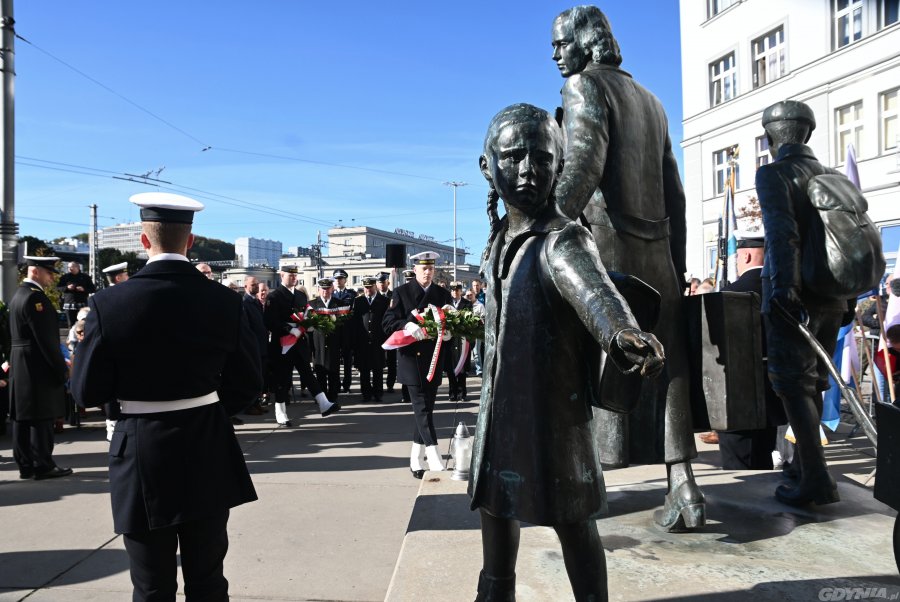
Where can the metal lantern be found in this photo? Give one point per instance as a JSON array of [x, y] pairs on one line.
[[461, 450]]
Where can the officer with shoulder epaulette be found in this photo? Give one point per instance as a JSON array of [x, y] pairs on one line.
[[345, 296], [368, 313], [796, 374], [37, 372], [415, 361], [177, 352]]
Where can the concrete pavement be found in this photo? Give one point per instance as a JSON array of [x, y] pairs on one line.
[[335, 497]]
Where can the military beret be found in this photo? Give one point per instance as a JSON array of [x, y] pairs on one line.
[[789, 110]]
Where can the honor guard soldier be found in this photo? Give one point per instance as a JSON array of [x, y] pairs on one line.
[[457, 349], [390, 356], [344, 296], [368, 314], [286, 301], [116, 274], [178, 354], [74, 286], [415, 360], [327, 347], [37, 372]]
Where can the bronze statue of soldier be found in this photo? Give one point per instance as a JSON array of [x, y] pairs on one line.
[[621, 179]]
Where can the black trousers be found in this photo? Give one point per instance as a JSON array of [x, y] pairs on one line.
[[346, 342], [33, 445], [203, 545], [390, 358], [370, 361], [298, 357], [329, 379], [457, 383], [423, 413], [748, 450]]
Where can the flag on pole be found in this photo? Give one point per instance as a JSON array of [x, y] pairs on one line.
[[846, 360], [851, 168], [727, 265]]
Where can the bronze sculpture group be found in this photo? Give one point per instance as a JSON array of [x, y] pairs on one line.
[[598, 189]]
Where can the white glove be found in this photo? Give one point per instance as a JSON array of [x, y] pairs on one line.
[[447, 336], [310, 329], [414, 330], [296, 332], [448, 307]]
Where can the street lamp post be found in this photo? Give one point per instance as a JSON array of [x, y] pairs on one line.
[[455, 185]]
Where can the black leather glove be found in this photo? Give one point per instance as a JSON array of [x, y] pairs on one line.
[[642, 349]]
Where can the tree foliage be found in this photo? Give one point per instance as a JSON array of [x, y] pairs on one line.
[[211, 249]]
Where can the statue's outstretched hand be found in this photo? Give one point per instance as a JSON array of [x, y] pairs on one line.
[[642, 349]]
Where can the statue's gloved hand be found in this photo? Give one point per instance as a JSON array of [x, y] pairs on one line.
[[414, 330], [642, 349]]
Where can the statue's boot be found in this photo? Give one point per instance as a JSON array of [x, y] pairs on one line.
[[496, 589], [816, 485], [685, 506]]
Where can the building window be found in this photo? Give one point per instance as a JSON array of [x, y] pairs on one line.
[[848, 21], [722, 80], [711, 255], [714, 7], [849, 129], [890, 133], [720, 171], [762, 152], [888, 12], [768, 57]]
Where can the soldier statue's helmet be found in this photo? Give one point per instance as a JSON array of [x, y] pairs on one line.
[[789, 110]]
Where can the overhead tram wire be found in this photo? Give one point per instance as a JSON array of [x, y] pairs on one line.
[[206, 146], [173, 187]]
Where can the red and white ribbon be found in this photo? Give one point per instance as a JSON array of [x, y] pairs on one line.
[[438, 315], [462, 358]]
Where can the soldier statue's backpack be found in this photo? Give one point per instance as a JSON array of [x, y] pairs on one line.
[[842, 254]]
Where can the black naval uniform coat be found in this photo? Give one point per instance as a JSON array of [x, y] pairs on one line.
[[37, 368], [413, 360], [327, 348], [168, 333], [255, 319], [368, 336]]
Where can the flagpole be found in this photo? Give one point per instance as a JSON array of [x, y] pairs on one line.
[[726, 230]]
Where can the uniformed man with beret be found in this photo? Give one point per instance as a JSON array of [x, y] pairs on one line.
[[116, 273], [327, 347], [796, 375], [286, 301], [415, 360], [457, 349], [344, 295], [368, 313], [37, 372], [177, 352]]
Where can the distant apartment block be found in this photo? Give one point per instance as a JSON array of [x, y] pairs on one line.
[[250, 252], [123, 237]]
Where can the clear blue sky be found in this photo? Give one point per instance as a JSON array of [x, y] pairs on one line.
[[403, 89]]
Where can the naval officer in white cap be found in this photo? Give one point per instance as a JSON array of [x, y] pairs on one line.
[[415, 360], [176, 351], [117, 273]]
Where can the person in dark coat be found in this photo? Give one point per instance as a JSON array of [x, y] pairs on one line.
[[417, 360], [37, 372], [254, 309], [344, 296], [327, 347], [285, 302], [368, 313], [390, 356], [74, 286], [797, 375], [5, 351], [176, 468], [621, 179], [752, 449], [549, 303], [459, 350]]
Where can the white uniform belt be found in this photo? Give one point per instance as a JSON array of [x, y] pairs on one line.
[[155, 407]]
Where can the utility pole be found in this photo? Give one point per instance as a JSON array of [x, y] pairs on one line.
[[455, 185], [9, 229], [319, 254], [92, 246]]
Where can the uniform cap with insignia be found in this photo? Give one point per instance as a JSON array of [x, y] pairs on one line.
[[289, 269], [425, 258], [382, 277], [325, 283], [455, 285], [409, 274], [166, 207], [339, 274], [750, 239], [369, 281], [116, 268], [48, 263]]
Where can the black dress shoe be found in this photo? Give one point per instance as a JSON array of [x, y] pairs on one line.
[[26, 473], [286, 424], [417, 473], [53, 473], [378, 399], [334, 408], [819, 491]]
